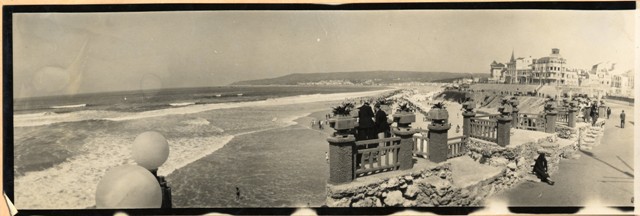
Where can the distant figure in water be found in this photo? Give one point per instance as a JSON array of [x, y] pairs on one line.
[[326, 156], [237, 193], [540, 169], [320, 125]]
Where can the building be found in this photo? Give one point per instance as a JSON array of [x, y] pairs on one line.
[[519, 70], [497, 72], [622, 84], [549, 70]]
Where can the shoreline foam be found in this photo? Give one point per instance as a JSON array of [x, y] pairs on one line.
[[29, 120]]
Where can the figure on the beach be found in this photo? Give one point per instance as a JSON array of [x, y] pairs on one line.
[[540, 168], [313, 123], [608, 112], [237, 193], [366, 128], [622, 116], [326, 156], [320, 125]]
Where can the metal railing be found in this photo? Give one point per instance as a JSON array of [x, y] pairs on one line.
[[376, 155], [484, 129]]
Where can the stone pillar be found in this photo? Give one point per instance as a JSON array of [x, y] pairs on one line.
[[438, 137], [405, 154], [504, 130], [514, 117], [572, 117], [341, 154], [466, 124], [550, 124]]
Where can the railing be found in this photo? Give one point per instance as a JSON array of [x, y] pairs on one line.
[[563, 116], [530, 121], [420, 144], [457, 146], [488, 116], [377, 155], [484, 129]]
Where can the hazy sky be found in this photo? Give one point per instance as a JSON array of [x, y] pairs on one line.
[[68, 53]]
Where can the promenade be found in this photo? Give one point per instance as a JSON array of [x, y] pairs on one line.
[[601, 176]]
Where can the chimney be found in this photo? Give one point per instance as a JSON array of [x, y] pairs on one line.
[[555, 51]]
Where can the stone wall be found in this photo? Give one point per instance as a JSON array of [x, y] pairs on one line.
[[435, 186]]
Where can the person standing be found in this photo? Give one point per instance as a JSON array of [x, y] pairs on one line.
[[383, 129], [622, 115], [608, 112], [594, 114], [366, 125]]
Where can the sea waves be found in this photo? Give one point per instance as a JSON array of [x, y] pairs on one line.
[[72, 184], [47, 118]]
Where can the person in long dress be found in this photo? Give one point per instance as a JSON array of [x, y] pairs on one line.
[[541, 170]]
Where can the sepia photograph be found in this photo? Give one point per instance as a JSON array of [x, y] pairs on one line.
[[319, 108]]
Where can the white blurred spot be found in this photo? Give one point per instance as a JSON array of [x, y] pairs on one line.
[[318, 40], [494, 207], [304, 211], [410, 212], [120, 214]]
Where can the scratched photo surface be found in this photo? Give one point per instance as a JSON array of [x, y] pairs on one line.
[[245, 101]]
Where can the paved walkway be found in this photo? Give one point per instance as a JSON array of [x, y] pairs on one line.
[[602, 175]]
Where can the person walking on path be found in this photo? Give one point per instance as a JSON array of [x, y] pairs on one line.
[[622, 115], [540, 168], [608, 112]]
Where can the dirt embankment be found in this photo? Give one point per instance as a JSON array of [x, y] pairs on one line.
[[488, 101]]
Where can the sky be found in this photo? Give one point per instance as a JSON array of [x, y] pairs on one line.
[[74, 53]]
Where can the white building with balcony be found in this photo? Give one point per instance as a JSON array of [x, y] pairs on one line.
[[549, 70]]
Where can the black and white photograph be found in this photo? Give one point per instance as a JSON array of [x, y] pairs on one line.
[[319, 108]]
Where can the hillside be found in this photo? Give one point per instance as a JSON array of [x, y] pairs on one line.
[[362, 77]]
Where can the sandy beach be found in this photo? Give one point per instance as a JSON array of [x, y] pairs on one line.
[[196, 134]]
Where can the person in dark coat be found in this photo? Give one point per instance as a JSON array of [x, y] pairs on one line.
[[622, 116], [540, 169], [366, 125], [383, 129], [594, 114], [608, 112]]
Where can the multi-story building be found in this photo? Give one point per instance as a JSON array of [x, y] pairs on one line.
[[622, 84], [600, 75], [519, 70], [497, 72], [549, 70]]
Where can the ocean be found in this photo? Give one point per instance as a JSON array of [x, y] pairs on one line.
[[144, 100], [63, 145]]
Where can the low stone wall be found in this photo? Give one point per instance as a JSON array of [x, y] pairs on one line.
[[435, 186], [395, 191]]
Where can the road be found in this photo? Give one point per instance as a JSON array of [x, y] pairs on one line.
[[602, 175]]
